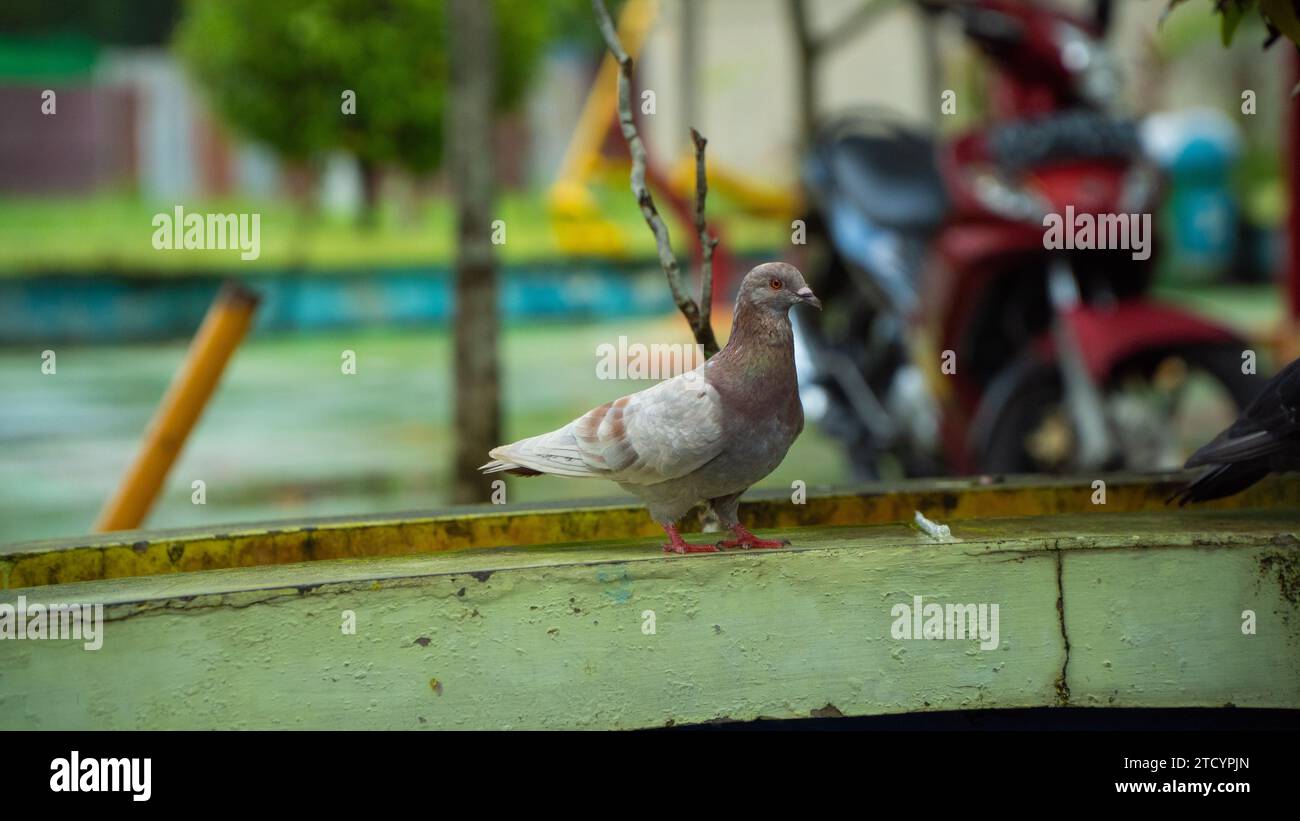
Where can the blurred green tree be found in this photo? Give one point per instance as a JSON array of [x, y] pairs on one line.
[[276, 72], [119, 22], [1280, 16]]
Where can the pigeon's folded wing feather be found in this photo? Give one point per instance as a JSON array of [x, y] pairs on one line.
[[661, 433], [556, 453]]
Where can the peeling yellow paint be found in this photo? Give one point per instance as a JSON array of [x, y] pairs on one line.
[[146, 553]]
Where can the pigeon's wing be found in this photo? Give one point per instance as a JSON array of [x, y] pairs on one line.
[[661, 433], [1268, 425]]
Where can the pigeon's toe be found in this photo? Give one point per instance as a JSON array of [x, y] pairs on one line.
[[747, 541], [686, 547]]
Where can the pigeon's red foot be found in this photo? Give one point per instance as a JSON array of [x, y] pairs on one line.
[[747, 540], [678, 545]]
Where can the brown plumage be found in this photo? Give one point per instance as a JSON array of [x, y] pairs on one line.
[[703, 436]]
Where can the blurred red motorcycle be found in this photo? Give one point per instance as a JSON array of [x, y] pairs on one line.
[[986, 296]]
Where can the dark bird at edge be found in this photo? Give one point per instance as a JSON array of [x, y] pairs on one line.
[[1264, 439]]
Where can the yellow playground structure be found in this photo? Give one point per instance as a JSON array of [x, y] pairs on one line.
[[576, 217]]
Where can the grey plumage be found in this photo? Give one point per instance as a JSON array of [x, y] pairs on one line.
[[702, 436]]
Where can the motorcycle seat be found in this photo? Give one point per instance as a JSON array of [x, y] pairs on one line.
[[892, 177]]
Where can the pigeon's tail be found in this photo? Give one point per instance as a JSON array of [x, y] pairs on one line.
[[1217, 482], [555, 453], [499, 466]]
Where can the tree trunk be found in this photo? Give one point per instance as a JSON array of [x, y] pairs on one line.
[[805, 67], [478, 414], [371, 179]]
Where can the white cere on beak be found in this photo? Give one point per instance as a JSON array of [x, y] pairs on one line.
[[805, 293]]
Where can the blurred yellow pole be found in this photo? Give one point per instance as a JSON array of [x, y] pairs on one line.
[[222, 330]]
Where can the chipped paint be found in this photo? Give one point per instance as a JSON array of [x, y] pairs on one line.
[[1284, 568], [1150, 603]]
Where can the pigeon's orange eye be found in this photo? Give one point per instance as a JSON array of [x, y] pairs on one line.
[[776, 284]]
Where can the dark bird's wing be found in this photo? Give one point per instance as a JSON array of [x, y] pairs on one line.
[[1266, 437], [1220, 481], [1269, 424]]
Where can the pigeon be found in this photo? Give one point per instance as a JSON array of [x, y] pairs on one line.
[[1264, 439], [705, 435]]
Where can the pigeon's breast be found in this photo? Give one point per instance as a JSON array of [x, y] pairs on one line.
[[760, 414], [752, 452]]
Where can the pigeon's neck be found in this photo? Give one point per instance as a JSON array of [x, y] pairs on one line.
[[760, 351]]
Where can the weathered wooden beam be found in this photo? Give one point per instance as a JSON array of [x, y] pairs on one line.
[[144, 553], [1117, 609]]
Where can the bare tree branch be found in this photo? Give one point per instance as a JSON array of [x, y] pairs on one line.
[[698, 320], [707, 243]]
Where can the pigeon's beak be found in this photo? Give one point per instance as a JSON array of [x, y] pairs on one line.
[[806, 295]]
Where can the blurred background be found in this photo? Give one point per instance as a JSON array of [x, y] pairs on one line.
[[235, 106]]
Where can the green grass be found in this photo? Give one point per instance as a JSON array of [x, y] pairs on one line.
[[113, 233]]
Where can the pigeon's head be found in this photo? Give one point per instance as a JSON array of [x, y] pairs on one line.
[[776, 286]]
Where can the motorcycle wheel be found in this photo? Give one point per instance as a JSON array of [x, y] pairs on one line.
[[1149, 415]]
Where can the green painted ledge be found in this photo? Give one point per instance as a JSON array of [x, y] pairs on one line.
[[1136, 609]]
